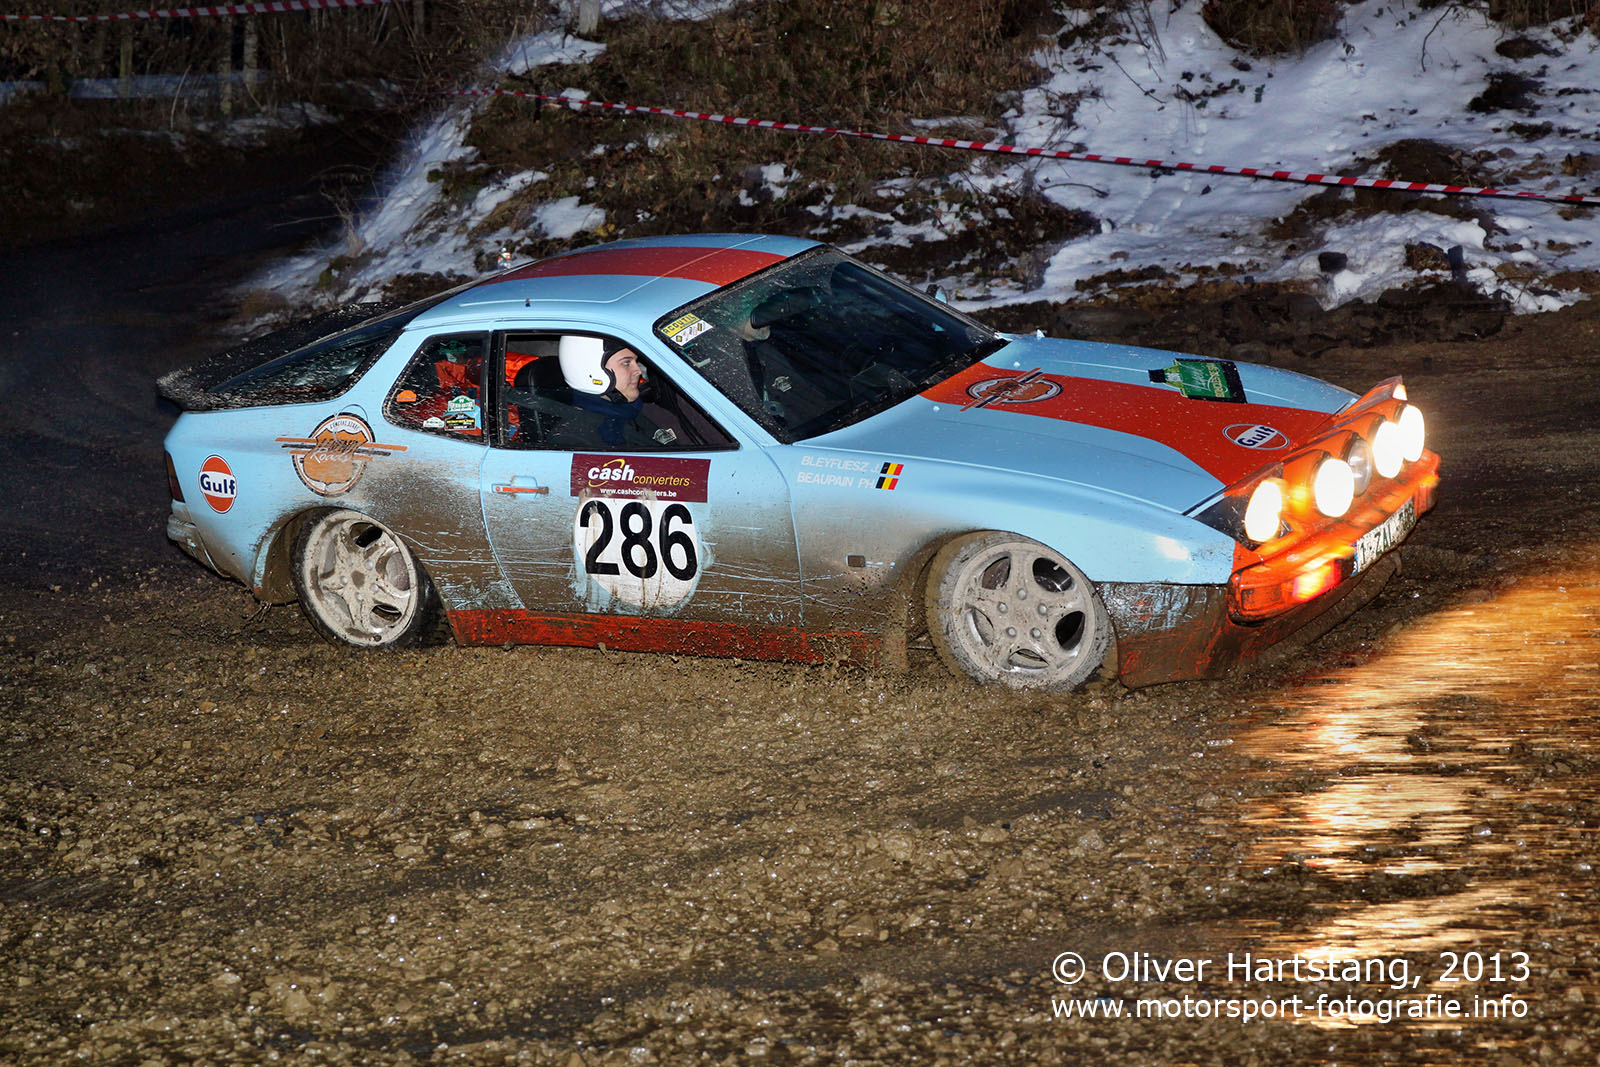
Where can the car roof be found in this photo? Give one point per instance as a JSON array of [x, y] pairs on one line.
[[639, 279]]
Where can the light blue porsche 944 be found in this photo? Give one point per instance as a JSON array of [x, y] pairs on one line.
[[758, 446]]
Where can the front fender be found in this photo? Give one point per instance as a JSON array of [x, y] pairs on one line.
[[1111, 537]]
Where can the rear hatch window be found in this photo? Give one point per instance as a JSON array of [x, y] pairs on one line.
[[310, 361]]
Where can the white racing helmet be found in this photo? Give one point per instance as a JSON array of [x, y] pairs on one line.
[[583, 366]]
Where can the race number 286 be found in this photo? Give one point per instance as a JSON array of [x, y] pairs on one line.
[[644, 553]]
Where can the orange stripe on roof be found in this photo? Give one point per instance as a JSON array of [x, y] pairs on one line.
[[714, 266]]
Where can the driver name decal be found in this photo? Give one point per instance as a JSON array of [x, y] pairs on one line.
[[843, 472], [658, 477]]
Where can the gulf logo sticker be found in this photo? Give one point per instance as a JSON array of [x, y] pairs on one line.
[[217, 483], [1257, 435]]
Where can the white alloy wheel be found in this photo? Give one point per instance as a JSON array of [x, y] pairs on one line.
[[358, 583], [1003, 608]]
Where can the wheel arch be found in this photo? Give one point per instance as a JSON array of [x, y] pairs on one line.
[[274, 571], [926, 570]]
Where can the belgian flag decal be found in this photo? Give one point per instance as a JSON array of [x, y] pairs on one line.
[[889, 476]]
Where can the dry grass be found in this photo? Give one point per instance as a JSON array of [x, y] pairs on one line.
[[1521, 14], [1281, 27], [1272, 27], [870, 65]]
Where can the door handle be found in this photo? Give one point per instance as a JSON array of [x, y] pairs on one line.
[[511, 488]]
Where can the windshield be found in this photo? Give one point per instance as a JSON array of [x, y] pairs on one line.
[[820, 342]]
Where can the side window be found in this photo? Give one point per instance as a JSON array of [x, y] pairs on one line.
[[440, 391], [588, 392]]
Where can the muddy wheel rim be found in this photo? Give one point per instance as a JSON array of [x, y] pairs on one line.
[[359, 579], [1022, 611]]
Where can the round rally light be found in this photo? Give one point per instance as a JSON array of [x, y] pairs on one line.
[[1413, 433], [1387, 453], [1264, 514], [1359, 456], [1333, 487]]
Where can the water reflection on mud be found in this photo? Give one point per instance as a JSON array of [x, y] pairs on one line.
[[1448, 784]]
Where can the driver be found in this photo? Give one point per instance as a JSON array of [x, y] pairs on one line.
[[608, 381]]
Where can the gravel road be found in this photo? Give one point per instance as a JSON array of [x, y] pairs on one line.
[[226, 841]]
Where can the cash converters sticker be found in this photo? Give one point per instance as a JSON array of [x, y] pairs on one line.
[[637, 476]]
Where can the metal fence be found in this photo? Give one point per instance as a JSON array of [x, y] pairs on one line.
[[247, 61]]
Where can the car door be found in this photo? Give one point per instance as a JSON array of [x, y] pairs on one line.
[[682, 538]]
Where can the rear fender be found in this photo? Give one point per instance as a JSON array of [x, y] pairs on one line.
[[272, 577]]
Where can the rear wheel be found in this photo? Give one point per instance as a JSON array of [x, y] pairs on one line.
[[1003, 608], [359, 584]]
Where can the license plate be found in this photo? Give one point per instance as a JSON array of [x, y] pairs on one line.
[[1381, 538]]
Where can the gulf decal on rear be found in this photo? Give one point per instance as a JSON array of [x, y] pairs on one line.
[[217, 483], [1209, 434], [714, 266]]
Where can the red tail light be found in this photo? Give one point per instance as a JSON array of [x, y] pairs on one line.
[[172, 479]]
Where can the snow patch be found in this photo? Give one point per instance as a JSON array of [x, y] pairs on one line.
[[1396, 72]]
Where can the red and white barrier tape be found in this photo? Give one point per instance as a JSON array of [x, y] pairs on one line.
[[1050, 153], [266, 7]]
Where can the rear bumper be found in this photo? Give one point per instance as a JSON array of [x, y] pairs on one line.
[[187, 535]]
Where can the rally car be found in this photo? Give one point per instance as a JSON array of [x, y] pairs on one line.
[[758, 446]]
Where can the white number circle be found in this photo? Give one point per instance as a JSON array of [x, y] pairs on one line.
[[645, 553]]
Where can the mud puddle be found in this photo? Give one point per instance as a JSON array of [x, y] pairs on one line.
[[1448, 783]]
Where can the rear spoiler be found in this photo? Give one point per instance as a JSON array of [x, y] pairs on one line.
[[193, 388]]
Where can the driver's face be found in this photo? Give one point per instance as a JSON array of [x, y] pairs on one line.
[[624, 366]]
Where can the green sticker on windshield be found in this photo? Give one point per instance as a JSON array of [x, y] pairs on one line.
[[1203, 379]]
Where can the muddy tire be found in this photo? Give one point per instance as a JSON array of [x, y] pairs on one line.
[[1007, 609], [360, 585]]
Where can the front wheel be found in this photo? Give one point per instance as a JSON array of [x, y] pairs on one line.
[[359, 584], [1003, 608]]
